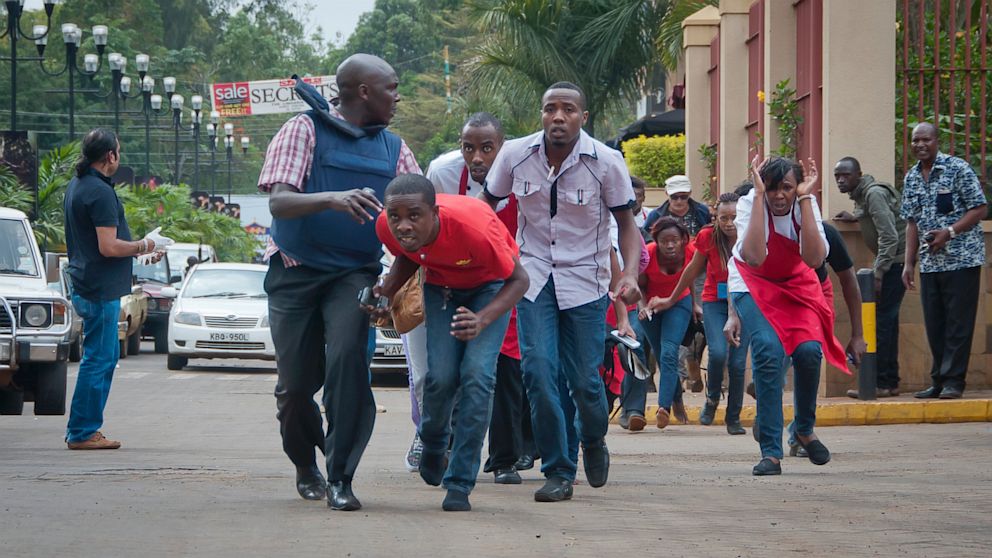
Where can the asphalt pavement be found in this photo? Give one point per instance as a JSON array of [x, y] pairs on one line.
[[201, 473]]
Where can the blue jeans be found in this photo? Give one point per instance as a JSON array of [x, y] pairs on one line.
[[634, 392], [459, 373], [101, 350], [722, 355], [768, 361], [571, 343], [665, 331]]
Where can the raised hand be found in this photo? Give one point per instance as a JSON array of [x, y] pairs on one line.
[[811, 179]]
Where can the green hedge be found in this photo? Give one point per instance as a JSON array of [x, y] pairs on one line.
[[655, 158]]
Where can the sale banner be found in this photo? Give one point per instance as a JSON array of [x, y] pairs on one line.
[[245, 98]]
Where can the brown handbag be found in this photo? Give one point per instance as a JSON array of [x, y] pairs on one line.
[[407, 308]]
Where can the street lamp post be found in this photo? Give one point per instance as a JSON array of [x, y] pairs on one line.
[[151, 105], [176, 101], [212, 132], [229, 144], [72, 36], [15, 9], [196, 102]]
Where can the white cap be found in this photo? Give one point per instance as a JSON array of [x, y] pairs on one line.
[[678, 184]]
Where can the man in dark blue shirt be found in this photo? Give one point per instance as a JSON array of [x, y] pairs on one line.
[[100, 253]]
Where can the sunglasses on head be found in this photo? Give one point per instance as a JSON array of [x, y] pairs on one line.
[[679, 197]]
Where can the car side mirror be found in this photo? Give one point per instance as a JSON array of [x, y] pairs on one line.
[[136, 289], [51, 267], [169, 292], [176, 279]]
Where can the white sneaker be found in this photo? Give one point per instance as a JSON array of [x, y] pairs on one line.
[[412, 460]]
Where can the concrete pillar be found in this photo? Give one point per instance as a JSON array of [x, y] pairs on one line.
[[780, 59], [733, 92], [698, 31], [859, 76]]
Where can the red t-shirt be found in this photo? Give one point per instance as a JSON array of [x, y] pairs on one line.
[[472, 247], [716, 271], [661, 284]]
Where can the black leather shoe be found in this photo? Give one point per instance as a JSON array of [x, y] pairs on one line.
[[951, 393], [341, 498], [596, 460], [709, 410], [735, 429], [817, 453], [310, 483], [525, 463], [507, 476], [555, 489], [766, 467], [432, 468], [456, 501], [931, 392]]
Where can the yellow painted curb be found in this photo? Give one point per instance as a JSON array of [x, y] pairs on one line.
[[866, 413]]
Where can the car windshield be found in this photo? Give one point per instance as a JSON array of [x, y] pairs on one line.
[[16, 251], [158, 272], [225, 283], [178, 257]]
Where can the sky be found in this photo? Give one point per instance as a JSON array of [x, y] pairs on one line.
[[333, 16]]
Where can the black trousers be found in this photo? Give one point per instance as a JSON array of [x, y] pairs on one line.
[[950, 304], [887, 326], [510, 434], [321, 338]]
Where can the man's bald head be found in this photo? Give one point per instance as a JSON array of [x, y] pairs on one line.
[[367, 88], [360, 69]]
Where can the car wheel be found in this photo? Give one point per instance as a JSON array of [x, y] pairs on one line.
[[49, 391], [176, 362], [76, 350], [11, 401], [123, 343], [134, 343], [161, 342]]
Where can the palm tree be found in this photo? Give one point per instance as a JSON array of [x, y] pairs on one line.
[[603, 46], [669, 40]]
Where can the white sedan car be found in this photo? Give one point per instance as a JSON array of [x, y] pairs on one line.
[[221, 311]]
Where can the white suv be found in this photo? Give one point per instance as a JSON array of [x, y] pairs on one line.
[[35, 322]]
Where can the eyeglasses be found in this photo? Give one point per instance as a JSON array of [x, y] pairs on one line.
[[679, 197]]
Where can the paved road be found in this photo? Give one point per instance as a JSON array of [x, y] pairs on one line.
[[201, 473]]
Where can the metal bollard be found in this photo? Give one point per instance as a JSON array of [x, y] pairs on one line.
[[868, 371]]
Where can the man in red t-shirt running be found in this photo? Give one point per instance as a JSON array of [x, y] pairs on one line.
[[473, 278]]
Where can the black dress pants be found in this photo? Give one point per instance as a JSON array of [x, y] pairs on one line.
[[321, 338], [505, 429], [950, 304], [887, 326]]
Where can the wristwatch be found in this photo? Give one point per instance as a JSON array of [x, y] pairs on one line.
[[950, 229]]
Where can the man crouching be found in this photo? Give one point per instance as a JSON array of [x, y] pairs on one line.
[[473, 278]]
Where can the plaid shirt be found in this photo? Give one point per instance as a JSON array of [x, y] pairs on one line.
[[289, 158]]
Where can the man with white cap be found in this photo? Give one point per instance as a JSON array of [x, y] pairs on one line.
[[694, 216], [680, 205]]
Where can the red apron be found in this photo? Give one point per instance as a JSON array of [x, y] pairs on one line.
[[791, 298]]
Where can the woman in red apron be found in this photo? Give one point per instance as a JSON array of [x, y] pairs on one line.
[[713, 246], [780, 302], [670, 253]]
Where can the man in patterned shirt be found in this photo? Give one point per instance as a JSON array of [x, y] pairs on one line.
[[324, 251], [942, 202]]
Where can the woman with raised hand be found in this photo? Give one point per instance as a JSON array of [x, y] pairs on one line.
[[782, 309]]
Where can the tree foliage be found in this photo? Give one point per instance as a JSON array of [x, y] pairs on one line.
[[605, 47]]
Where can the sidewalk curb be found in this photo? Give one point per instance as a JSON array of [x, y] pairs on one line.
[[866, 413]]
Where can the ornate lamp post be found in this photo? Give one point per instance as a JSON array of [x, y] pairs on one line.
[[15, 9], [212, 132], [176, 101], [196, 102], [151, 105], [229, 145], [72, 36]]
